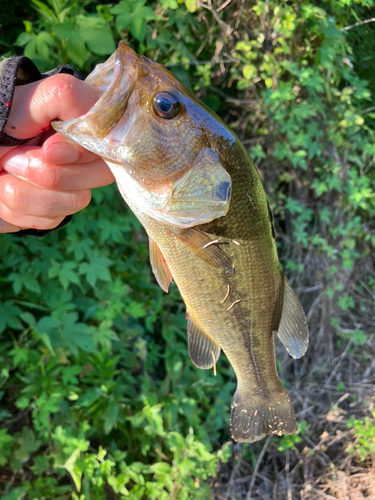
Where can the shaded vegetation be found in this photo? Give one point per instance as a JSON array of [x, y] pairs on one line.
[[98, 397]]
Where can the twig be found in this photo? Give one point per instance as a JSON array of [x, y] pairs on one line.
[[367, 110], [288, 476], [228, 29], [197, 63], [316, 447], [259, 461], [372, 20], [340, 360], [223, 5], [231, 99]]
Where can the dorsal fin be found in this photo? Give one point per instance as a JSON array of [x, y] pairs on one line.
[[159, 266], [202, 349], [205, 248], [293, 331]]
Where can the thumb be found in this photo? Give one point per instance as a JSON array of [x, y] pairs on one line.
[[36, 104]]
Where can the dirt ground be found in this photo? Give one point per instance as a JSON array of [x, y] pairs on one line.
[[332, 383]]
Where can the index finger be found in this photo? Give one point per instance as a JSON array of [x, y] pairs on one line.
[[59, 150]]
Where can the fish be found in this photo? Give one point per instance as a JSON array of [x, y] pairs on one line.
[[192, 185]]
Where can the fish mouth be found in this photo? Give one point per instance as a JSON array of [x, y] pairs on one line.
[[116, 77], [108, 111]]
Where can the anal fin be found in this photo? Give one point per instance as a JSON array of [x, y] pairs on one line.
[[293, 331], [205, 248], [159, 266], [202, 349]]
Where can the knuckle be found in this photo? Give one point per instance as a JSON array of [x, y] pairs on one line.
[[76, 200], [43, 174], [83, 199], [63, 88], [11, 197], [50, 178]]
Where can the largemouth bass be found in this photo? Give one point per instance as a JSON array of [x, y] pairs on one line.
[[192, 185]]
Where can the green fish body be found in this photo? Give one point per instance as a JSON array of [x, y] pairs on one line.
[[192, 185]]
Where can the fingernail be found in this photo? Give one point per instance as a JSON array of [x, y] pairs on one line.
[[17, 165], [60, 154]]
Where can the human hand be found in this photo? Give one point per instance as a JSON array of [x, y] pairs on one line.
[[48, 178]]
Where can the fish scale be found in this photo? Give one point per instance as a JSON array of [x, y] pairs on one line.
[[192, 185]]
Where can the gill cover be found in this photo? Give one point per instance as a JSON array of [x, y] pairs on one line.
[[200, 196]]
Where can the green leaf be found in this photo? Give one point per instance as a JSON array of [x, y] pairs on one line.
[[96, 269], [191, 5], [5, 439], [359, 337], [9, 316], [161, 468], [17, 493], [97, 34], [76, 48], [76, 335], [136, 310], [45, 11], [20, 356], [99, 41], [169, 4], [248, 71], [68, 275], [110, 416]]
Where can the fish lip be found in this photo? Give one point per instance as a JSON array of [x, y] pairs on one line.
[[123, 56], [117, 77], [110, 108]]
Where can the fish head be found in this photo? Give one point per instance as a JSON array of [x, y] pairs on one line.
[[149, 128]]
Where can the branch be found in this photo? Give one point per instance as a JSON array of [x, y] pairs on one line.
[[372, 20]]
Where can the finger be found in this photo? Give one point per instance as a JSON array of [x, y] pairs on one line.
[[14, 221], [36, 104], [23, 198], [60, 151], [6, 227], [6, 149], [27, 164]]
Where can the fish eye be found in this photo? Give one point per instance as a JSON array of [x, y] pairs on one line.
[[166, 105]]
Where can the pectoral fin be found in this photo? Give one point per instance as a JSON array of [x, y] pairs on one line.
[[202, 350], [197, 242], [293, 331], [159, 266]]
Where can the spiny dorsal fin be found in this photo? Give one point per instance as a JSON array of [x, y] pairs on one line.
[[159, 266], [212, 254], [293, 331], [202, 350]]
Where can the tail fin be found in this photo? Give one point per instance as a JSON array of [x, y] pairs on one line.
[[253, 418]]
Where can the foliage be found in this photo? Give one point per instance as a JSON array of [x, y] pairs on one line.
[[96, 358], [97, 388], [289, 442], [364, 437]]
